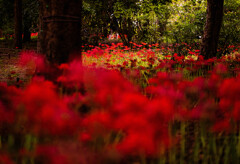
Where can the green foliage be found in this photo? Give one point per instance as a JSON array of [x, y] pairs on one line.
[[187, 20], [151, 21], [96, 20], [230, 32], [135, 20], [30, 14], [6, 16], [149, 18]]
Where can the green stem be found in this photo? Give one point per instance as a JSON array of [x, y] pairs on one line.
[[145, 77], [238, 143], [28, 142], [162, 160], [172, 152], [196, 146], [143, 159], [205, 146], [10, 141], [172, 156], [226, 155], [183, 132]]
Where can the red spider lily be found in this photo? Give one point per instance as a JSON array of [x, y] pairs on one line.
[[220, 69], [125, 63], [200, 58], [230, 89], [9, 97], [6, 116], [34, 34], [96, 52], [74, 100], [164, 84], [98, 123], [31, 60], [130, 102], [51, 154], [226, 105], [229, 98], [73, 74], [141, 135], [161, 110], [131, 122], [138, 143], [205, 110], [4, 159], [106, 86], [64, 66], [236, 111], [66, 152], [223, 125], [13, 72], [126, 110], [45, 111], [214, 82], [85, 137]]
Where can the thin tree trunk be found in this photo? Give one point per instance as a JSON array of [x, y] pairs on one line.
[[212, 28], [40, 40], [26, 28], [18, 24], [60, 31], [26, 34]]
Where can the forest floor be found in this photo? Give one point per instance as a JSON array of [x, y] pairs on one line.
[[9, 70]]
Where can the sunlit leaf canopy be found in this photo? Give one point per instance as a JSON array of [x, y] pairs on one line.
[[149, 21]]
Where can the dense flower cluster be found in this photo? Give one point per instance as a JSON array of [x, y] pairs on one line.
[[97, 112]]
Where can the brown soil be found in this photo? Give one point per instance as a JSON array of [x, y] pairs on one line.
[[10, 72], [8, 63]]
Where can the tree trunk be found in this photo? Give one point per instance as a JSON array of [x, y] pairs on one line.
[[18, 24], [27, 23], [60, 29], [212, 28], [26, 33]]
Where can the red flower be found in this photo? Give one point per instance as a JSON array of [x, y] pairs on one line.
[[160, 110], [236, 111], [132, 122], [33, 61], [84, 137], [64, 66], [137, 143], [98, 123], [73, 75], [9, 97], [46, 112], [6, 116], [4, 159], [51, 154], [222, 126], [130, 102]]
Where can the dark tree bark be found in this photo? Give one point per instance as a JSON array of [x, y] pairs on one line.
[[124, 28], [27, 23], [60, 29], [212, 28], [26, 33], [18, 24]]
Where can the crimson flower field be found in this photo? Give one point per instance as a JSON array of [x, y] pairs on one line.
[[147, 104]]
